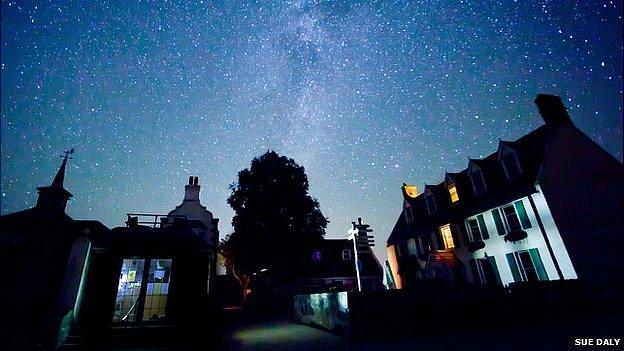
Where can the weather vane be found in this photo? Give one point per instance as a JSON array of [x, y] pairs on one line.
[[67, 153]]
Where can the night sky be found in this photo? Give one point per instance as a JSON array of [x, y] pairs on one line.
[[364, 96]]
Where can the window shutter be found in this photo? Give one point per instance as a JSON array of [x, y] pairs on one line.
[[524, 219], [537, 262], [475, 272], [482, 227], [500, 227], [514, 268], [495, 269]]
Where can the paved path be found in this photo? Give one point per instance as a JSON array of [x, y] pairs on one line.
[[245, 332], [280, 334]]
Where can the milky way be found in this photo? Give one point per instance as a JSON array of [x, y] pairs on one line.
[[365, 96]]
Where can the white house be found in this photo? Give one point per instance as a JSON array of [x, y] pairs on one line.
[[205, 225], [544, 207]]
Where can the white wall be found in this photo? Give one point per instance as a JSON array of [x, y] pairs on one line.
[[496, 245]]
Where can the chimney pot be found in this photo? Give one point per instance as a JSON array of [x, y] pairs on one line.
[[552, 109], [196, 181], [190, 180]]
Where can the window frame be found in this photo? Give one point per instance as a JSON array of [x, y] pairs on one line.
[[453, 186], [445, 238], [479, 262], [481, 226], [473, 173], [505, 155], [429, 196], [521, 269], [349, 254]]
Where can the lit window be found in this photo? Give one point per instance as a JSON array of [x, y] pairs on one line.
[[157, 290], [447, 236], [132, 280], [128, 290], [452, 189], [346, 254]]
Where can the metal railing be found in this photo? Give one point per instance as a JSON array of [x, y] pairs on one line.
[[153, 220]]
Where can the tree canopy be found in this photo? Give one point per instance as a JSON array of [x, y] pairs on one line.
[[276, 221]]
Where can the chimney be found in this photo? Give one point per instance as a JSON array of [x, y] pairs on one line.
[[552, 110], [191, 190]]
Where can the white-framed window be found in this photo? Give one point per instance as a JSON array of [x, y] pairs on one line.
[[452, 190], [526, 266], [447, 236], [430, 202], [477, 230], [346, 254], [485, 271], [515, 217]]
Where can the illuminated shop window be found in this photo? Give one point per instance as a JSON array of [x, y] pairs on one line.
[[128, 290], [142, 293], [157, 290]]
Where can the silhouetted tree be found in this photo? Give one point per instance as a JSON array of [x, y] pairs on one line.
[[276, 222]]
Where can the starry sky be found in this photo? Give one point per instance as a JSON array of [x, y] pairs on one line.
[[364, 95]]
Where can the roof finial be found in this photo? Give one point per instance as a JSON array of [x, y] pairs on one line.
[[67, 153], [60, 175]]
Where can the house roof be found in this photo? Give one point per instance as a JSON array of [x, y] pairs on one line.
[[169, 238], [529, 150], [331, 264]]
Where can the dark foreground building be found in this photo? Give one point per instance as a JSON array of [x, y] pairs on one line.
[[75, 283], [44, 253], [148, 282]]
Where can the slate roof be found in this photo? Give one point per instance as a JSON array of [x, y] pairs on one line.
[[529, 149]]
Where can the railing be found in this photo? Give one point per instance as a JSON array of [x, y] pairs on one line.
[[158, 221]]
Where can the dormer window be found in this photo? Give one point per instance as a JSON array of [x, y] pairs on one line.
[[511, 166], [477, 180], [509, 160], [430, 202], [452, 190]]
